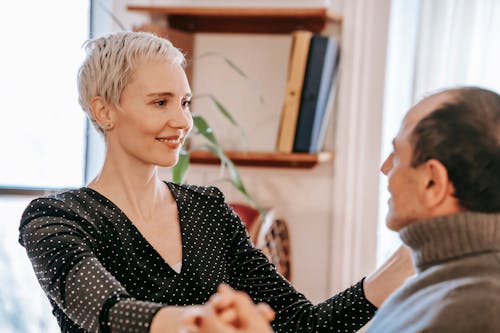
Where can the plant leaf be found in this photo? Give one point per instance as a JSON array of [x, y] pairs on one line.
[[204, 129], [223, 110], [229, 62], [180, 168], [234, 177], [236, 68], [113, 17], [229, 117]]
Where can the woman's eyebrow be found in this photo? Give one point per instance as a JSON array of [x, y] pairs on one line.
[[168, 94], [160, 94]]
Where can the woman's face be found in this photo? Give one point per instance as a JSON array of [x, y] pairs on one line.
[[154, 117]]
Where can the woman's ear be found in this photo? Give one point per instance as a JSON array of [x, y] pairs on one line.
[[101, 112], [438, 187]]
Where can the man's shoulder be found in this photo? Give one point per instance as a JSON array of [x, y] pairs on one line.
[[474, 291], [458, 295], [466, 305], [469, 306]]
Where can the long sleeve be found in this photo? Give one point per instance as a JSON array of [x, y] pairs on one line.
[[60, 246], [250, 271]]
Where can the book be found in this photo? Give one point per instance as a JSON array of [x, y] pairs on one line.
[[293, 91], [316, 92], [319, 140]]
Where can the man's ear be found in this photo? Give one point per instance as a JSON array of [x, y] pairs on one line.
[[438, 187], [100, 111]]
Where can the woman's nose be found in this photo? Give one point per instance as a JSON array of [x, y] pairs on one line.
[[182, 119]]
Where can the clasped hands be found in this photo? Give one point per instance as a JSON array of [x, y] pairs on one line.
[[228, 311]]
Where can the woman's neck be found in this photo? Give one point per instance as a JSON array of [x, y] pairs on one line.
[[133, 186]]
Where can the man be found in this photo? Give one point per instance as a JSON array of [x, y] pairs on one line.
[[444, 180]]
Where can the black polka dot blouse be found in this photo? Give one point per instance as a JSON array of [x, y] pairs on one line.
[[101, 275]]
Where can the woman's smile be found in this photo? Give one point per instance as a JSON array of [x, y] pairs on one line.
[[173, 142]]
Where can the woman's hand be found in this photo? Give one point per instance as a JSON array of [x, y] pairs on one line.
[[228, 311], [177, 319], [231, 311]]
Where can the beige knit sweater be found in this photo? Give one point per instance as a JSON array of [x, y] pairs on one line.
[[457, 287]]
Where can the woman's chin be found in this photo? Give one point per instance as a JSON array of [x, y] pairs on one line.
[[167, 164], [166, 161]]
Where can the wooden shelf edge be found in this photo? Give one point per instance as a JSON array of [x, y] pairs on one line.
[[243, 20], [265, 159], [333, 16]]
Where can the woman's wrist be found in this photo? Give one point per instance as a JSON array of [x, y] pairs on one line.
[[167, 320], [389, 276]]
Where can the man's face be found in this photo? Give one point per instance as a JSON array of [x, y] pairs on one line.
[[406, 183]]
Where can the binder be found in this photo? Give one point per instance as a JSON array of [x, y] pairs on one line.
[[316, 92]]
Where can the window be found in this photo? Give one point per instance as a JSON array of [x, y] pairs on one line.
[[41, 123], [42, 133], [24, 307]]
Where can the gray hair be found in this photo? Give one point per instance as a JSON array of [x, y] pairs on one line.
[[464, 135], [111, 61]]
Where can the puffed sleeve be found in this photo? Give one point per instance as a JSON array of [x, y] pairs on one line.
[[59, 245], [250, 271]]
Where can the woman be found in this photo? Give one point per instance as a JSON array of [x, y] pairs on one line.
[[130, 252]]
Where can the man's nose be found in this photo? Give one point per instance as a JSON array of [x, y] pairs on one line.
[[386, 165]]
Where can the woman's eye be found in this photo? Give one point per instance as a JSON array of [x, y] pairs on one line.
[[161, 102], [186, 103]]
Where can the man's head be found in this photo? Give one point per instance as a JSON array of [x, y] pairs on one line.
[[446, 157]]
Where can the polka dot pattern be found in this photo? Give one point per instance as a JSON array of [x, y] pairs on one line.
[[101, 275]]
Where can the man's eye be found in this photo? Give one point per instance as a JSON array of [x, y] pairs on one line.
[[186, 103], [161, 102]]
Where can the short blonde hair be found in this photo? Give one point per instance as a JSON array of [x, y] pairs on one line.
[[111, 61]]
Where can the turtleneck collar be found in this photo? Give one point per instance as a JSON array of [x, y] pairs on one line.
[[451, 236]]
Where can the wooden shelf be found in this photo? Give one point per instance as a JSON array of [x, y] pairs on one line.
[[265, 159], [247, 20], [242, 20]]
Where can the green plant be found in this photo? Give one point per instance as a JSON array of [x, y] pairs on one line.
[[201, 127]]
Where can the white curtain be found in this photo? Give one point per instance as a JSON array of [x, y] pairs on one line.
[[458, 43], [358, 129], [433, 45]]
